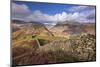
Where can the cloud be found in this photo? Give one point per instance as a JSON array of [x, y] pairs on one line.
[[81, 8], [20, 8], [83, 13], [60, 17], [91, 13], [77, 13], [47, 19], [20, 11]]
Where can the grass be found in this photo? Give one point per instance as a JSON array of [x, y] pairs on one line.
[[54, 49]]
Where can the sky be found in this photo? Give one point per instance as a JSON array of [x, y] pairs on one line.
[[48, 13]]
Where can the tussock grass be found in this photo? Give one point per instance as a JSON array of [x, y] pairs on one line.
[[76, 49]]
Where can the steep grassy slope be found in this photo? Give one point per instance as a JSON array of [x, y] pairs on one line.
[[28, 32], [80, 49]]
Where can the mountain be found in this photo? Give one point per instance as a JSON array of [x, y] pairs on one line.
[[22, 32], [68, 23], [20, 24], [33, 42], [71, 27]]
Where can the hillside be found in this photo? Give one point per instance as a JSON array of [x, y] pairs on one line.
[[27, 31], [34, 43], [69, 28], [80, 49]]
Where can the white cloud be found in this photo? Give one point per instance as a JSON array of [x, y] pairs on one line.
[[83, 13], [80, 8], [60, 17], [19, 8], [20, 11], [77, 8], [47, 19], [24, 13]]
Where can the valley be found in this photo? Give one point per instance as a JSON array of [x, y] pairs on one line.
[[64, 42]]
